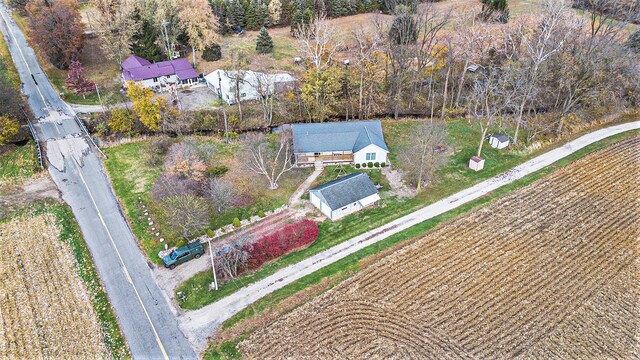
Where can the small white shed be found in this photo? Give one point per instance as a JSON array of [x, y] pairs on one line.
[[498, 141], [476, 163], [344, 196]]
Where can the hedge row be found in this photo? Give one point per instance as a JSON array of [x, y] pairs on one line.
[[281, 242]]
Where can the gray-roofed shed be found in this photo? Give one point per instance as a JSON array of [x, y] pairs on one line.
[[345, 190]]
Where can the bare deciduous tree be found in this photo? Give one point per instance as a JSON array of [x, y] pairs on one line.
[[422, 155], [231, 258], [318, 42], [116, 27], [538, 46], [268, 159], [486, 102], [222, 193], [187, 213]]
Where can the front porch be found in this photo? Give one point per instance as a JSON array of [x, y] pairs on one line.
[[327, 159]]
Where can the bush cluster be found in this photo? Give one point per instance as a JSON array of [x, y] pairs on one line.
[[281, 242]]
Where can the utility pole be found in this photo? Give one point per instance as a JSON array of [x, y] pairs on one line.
[[226, 126], [99, 98], [214, 284]]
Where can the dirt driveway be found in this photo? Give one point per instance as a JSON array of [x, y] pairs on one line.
[[196, 98]]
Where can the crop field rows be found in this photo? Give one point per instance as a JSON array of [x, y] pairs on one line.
[[45, 308], [550, 271]]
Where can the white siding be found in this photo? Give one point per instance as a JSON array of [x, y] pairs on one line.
[[369, 200], [361, 156], [324, 208], [249, 85], [345, 210], [163, 82]]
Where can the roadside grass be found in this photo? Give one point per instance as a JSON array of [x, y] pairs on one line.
[[70, 233], [353, 263], [132, 178], [8, 71], [18, 162]]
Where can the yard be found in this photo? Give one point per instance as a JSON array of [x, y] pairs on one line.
[[454, 177], [132, 177]]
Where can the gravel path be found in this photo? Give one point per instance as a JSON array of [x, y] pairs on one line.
[[200, 324]]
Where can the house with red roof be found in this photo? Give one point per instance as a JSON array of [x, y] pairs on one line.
[[159, 76]]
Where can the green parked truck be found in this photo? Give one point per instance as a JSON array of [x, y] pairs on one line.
[[183, 254]]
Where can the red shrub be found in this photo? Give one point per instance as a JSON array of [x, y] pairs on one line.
[[281, 242]]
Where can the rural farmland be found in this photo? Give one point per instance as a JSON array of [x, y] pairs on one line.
[[549, 271], [45, 308]]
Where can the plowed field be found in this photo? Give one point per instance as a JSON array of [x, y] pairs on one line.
[[549, 271], [45, 308]]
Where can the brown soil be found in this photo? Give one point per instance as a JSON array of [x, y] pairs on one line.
[[549, 271]]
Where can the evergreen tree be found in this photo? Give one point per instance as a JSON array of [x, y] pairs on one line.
[[490, 7], [296, 20], [307, 16], [263, 18], [223, 22], [264, 43], [144, 42], [338, 8], [251, 17], [236, 15], [404, 29], [212, 53], [633, 42]]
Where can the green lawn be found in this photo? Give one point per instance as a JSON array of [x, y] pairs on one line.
[[132, 178], [19, 162], [453, 177], [351, 264]]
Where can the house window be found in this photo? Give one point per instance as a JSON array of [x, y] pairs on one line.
[[155, 79], [243, 95], [344, 208], [316, 154], [371, 156]]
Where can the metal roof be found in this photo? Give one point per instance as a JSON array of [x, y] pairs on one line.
[[337, 136], [136, 68], [345, 190]]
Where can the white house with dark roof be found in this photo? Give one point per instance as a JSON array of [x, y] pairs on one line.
[[333, 143], [251, 84], [344, 196], [159, 76]]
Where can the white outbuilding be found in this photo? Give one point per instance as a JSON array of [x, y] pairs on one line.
[[344, 196], [498, 141]]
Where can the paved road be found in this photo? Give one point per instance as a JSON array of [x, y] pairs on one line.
[[148, 322], [201, 323]]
